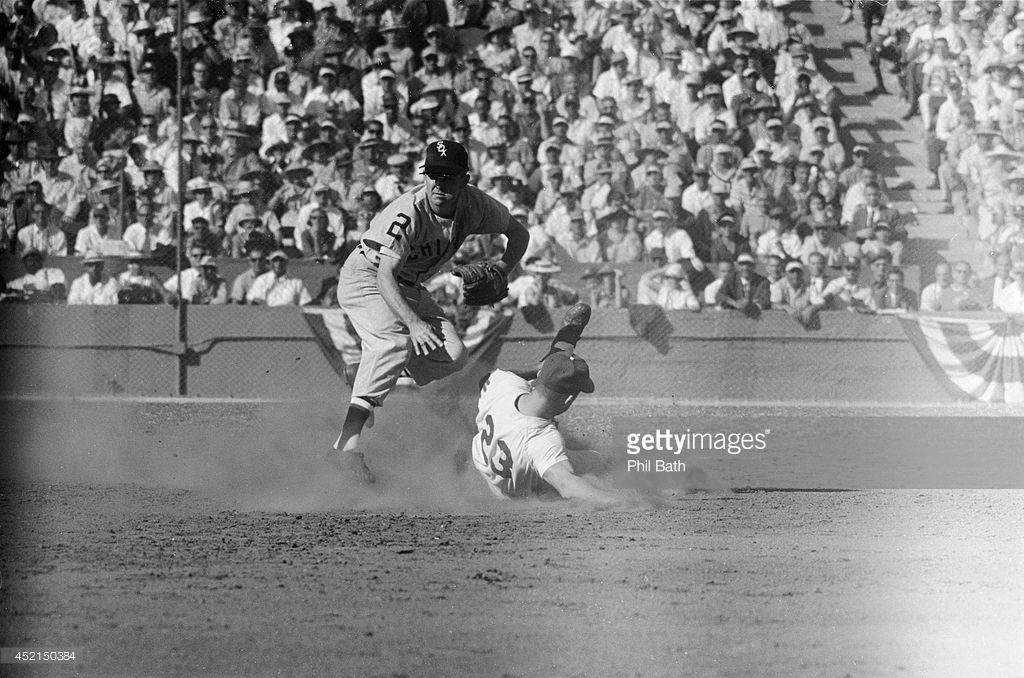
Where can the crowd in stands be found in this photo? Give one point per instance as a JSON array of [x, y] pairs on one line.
[[698, 137]]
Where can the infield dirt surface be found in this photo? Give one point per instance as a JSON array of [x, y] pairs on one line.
[[202, 539]]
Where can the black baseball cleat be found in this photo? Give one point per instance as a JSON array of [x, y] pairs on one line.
[[577, 315]]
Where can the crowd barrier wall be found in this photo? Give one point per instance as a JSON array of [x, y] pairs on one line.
[[246, 352]]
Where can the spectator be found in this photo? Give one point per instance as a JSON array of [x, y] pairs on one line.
[[42, 233], [727, 243], [698, 196], [895, 298], [960, 295], [989, 289], [794, 296], [825, 240], [96, 238], [847, 293], [817, 278], [141, 235], [780, 239], [773, 273], [881, 243], [605, 288], [276, 287], [722, 271], [667, 287], [39, 284], [189, 276], [211, 289], [94, 287], [1011, 297], [318, 241], [575, 241], [621, 242], [136, 285], [537, 287], [870, 213], [258, 265], [744, 290]]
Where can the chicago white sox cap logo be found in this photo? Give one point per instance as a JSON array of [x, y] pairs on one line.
[[445, 156]]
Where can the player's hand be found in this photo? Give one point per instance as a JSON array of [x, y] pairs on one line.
[[424, 337]]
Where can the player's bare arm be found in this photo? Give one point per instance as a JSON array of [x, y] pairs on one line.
[[424, 338], [563, 478], [518, 240]]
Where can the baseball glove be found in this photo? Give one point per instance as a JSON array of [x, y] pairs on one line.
[[483, 283]]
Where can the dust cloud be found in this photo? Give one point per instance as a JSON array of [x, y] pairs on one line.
[[253, 456]]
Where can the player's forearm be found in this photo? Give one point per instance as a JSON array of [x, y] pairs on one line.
[[518, 240], [393, 297], [579, 489]]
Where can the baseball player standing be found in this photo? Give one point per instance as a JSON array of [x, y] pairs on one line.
[[380, 287], [518, 448]]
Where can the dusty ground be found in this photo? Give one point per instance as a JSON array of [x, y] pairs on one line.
[[208, 540]]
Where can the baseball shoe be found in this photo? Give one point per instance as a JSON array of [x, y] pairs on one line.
[[352, 463], [577, 315]]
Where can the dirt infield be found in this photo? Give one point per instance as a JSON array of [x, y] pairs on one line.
[[206, 539]]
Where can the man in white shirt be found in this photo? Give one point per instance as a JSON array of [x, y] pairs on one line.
[[97, 237], [42, 234], [94, 287], [276, 287], [141, 235], [1011, 296], [846, 292], [919, 49], [697, 196], [711, 291], [39, 283], [990, 289], [189, 277]]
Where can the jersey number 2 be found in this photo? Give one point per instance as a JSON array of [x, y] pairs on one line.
[[496, 452], [398, 225]]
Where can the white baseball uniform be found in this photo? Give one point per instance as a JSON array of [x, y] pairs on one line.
[[409, 231], [512, 450]]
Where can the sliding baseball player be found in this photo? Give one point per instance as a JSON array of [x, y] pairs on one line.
[[518, 448]]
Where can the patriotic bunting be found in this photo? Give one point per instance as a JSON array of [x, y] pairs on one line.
[[981, 356]]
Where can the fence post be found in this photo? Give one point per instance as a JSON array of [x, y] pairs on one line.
[[182, 348]]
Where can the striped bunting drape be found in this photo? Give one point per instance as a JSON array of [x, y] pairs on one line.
[[981, 356]]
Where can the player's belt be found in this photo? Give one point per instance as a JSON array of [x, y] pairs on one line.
[[366, 252]]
